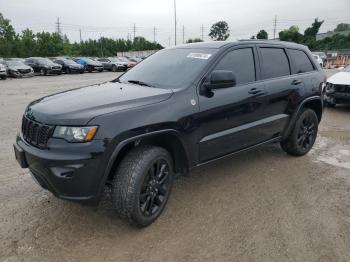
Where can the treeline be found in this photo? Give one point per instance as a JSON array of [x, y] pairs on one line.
[[48, 44], [337, 41]]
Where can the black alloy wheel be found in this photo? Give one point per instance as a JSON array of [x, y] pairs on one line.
[[154, 191]]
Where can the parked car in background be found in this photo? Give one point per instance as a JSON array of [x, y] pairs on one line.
[[337, 89], [3, 70], [44, 66], [69, 66], [16, 59], [89, 64], [322, 55], [113, 64], [130, 63], [318, 60], [16, 68]]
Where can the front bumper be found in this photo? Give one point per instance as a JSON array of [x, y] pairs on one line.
[[337, 97], [54, 71], [71, 171]]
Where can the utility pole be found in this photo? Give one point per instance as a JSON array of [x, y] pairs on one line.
[[58, 24], [175, 19], [134, 32], [183, 34], [169, 40], [274, 27], [202, 29], [80, 34], [154, 34]]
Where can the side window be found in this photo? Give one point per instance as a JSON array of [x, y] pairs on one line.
[[274, 62], [241, 63], [301, 62]]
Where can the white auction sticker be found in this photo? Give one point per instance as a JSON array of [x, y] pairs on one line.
[[199, 56]]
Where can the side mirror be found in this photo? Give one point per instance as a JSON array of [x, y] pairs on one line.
[[222, 79], [218, 79]]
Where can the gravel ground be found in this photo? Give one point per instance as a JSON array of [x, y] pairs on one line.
[[261, 205]]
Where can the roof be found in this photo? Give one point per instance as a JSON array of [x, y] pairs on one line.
[[220, 44]]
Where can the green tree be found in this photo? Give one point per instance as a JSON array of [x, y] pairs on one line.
[[292, 34], [262, 34], [219, 31], [313, 30], [8, 39], [342, 27], [194, 40]]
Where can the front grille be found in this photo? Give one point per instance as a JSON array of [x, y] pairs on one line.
[[342, 88], [24, 71], [35, 133], [56, 67]]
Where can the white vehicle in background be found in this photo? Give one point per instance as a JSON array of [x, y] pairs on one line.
[[337, 89], [318, 59]]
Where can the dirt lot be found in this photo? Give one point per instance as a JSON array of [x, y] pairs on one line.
[[259, 206]]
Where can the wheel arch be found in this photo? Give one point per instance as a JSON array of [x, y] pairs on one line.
[[168, 139], [315, 103]]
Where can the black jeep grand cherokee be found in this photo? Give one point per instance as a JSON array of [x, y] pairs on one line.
[[179, 109]]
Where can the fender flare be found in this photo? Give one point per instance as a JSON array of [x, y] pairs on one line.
[[296, 113], [122, 144]]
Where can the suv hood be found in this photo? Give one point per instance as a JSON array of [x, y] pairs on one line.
[[79, 106]]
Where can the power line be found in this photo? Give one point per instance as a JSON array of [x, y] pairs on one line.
[[202, 29], [154, 34], [58, 26], [274, 27], [134, 31], [175, 19]]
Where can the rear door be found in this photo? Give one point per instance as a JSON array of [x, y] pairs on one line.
[[283, 88], [231, 119]]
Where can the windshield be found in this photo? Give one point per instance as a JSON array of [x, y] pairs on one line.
[[170, 68], [69, 61], [123, 59], [14, 63], [45, 61], [88, 60]]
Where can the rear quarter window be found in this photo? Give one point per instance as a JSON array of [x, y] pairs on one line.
[[274, 62], [301, 62]]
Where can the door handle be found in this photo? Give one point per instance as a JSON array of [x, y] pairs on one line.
[[296, 82], [256, 91]]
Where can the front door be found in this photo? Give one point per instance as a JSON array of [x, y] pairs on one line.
[[231, 118]]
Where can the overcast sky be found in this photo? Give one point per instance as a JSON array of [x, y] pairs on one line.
[[116, 18]]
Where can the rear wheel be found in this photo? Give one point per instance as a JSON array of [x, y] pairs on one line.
[[68, 71], [4, 77], [303, 135], [142, 185], [114, 68]]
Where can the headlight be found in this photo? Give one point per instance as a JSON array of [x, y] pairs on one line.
[[330, 88], [75, 134]]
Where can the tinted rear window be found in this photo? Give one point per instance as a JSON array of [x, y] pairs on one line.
[[241, 63], [274, 62], [301, 62]]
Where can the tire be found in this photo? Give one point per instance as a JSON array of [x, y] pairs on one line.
[[142, 185], [68, 71], [89, 69], [114, 68], [304, 133], [43, 72], [4, 77], [100, 70]]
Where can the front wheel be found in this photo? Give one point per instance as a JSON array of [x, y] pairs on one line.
[[4, 77], [303, 135], [142, 185], [43, 72]]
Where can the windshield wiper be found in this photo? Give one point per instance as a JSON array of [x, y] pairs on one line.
[[137, 82]]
